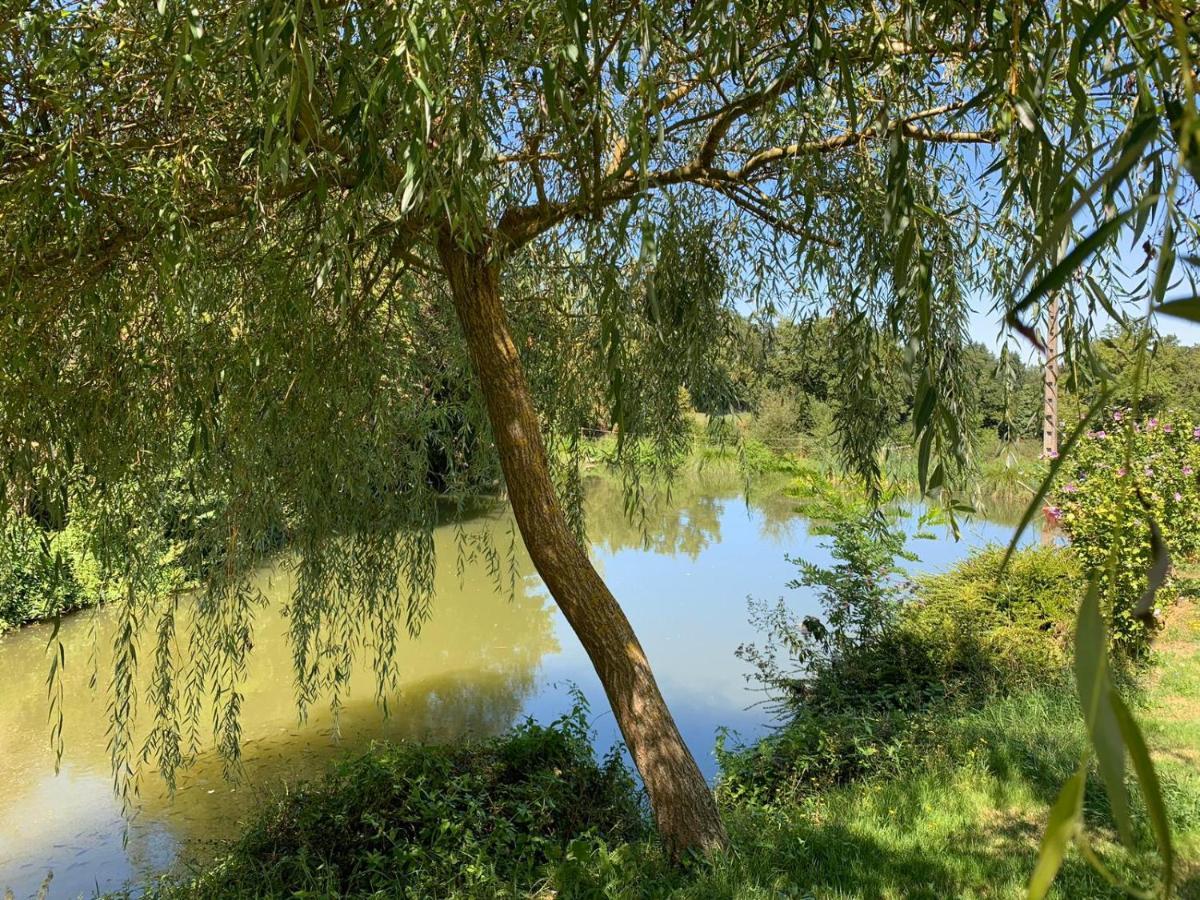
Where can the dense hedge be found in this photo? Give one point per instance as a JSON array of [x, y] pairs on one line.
[[46, 572], [38, 577]]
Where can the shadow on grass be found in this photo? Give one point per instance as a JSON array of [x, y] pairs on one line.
[[846, 861]]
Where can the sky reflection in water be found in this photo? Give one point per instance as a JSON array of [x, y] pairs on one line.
[[483, 661]]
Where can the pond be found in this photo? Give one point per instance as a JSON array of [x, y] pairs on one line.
[[483, 661]]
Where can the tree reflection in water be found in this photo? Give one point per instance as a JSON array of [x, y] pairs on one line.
[[470, 672]]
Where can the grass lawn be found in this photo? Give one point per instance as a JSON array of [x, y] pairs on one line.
[[968, 822]]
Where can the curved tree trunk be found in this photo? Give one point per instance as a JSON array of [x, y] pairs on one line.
[[683, 805]]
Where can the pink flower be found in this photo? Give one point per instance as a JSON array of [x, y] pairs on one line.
[[1053, 513], [1196, 433], [1070, 488], [1178, 496], [1149, 472], [1102, 435], [1152, 424], [1121, 472], [1168, 428], [1187, 470], [1118, 415]]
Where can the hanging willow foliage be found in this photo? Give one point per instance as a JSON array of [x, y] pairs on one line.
[[222, 288]]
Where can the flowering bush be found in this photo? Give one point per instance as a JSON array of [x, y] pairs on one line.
[[1119, 479]]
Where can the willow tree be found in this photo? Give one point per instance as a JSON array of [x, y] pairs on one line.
[[243, 240]]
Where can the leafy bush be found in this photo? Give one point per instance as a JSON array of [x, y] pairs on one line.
[[1009, 468], [984, 629], [821, 438], [434, 821], [92, 549], [1121, 479], [859, 597], [756, 458], [46, 572], [867, 688], [37, 580]]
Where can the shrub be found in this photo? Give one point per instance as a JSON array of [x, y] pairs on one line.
[[756, 458], [1009, 468], [814, 751], [434, 821], [859, 597], [37, 580], [46, 572], [868, 689], [1120, 479], [984, 629]]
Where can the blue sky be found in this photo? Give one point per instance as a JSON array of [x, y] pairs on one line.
[[986, 327]]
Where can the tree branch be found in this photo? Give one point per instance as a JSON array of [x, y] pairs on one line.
[[736, 110], [756, 209], [521, 224], [777, 154]]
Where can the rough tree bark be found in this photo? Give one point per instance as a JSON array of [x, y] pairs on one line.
[[1050, 405], [1050, 372], [1050, 384], [683, 805]]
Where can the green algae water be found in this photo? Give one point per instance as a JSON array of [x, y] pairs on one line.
[[487, 658]]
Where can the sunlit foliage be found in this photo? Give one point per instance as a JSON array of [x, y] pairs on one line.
[[221, 223]]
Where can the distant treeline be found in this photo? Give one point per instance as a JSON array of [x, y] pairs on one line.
[[789, 376]]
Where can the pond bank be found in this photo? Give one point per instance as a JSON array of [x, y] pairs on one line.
[[962, 821], [486, 659]]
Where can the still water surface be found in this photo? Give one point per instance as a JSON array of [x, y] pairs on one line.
[[482, 662]]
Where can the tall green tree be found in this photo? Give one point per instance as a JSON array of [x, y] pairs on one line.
[[229, 226], [1169, 383]]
